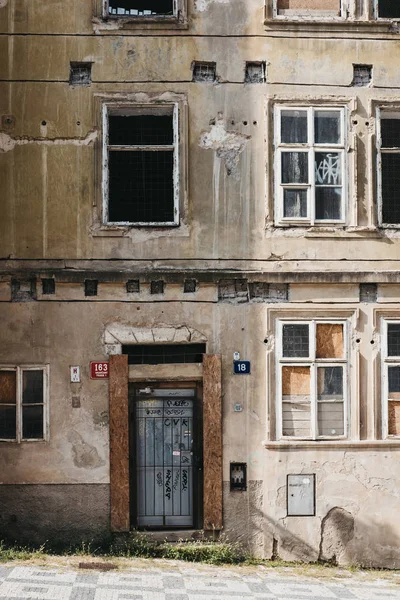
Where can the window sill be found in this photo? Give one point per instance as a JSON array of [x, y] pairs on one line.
[[317, 231], [323, 24], [334, 444], [113, 23]]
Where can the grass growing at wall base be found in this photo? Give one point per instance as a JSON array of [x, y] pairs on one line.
[[134, 546]]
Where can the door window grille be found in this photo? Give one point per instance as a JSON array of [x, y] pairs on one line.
[[153, 354], [164, 457]]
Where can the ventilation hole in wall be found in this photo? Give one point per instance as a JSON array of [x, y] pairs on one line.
[[189, 286], [204, 71], [255, 72], [80, 73], [362, 75], [48, 286], [133, 286], [368, 292], [157, 287], [91, 286], [244, 122], [44, 123]]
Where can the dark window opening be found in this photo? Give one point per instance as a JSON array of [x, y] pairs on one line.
[[157, 287], [393, 335], [390, 188], [255, 72], [140, 8], [164, 354], [189, 286], [140, 130], [133, 286], [48, 286], [368, 292], [91, 287], [390, 172], [204, 71], [389, 9], [80, 73], [141, 169]]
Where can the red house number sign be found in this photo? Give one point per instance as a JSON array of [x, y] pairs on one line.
[[99, 370]]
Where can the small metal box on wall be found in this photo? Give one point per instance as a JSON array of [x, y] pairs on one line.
[[238, 477], [301, 495]]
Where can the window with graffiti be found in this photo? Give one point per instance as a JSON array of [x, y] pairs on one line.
[[310, 165]]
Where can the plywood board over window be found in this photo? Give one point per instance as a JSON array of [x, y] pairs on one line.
[[330, 340], [301, 7]]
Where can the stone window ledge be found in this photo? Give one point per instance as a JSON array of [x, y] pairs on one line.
[[327, 444], [283, 23]]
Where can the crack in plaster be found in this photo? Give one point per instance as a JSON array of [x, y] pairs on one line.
[[8, 143], [228, 145]]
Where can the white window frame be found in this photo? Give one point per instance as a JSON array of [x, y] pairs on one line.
[[386, 362], [310, 149], [174, 15], [114, 108], [346, 11], [19, 369], [388, 113], [313, 363]]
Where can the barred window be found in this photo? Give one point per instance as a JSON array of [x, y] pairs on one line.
[[141, 165], [23, 403]]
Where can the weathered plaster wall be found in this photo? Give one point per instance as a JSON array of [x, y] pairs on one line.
[[356, 496]]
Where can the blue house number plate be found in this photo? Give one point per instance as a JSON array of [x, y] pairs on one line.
[[241, 367]]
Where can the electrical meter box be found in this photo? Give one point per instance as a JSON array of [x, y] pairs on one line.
[[301, 495]]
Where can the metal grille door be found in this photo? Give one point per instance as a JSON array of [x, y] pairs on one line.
[[164, 457]]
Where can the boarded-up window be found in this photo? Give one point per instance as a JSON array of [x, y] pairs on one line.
[[330, 340], [309, 7], [394, 400], [313, 393], [22, 392], [296, 407]]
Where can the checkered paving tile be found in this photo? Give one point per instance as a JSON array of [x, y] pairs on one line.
[[183, 583]]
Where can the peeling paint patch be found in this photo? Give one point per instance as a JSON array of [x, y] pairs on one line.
[[203, 5], [84, 455], [8, 143], [228, 145]]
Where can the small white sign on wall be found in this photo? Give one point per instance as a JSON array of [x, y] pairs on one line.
[[75, 374]]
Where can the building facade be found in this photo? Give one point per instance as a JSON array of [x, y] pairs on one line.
[[199, 272]]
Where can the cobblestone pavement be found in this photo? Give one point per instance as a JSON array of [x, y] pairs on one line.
[[184, 582]]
